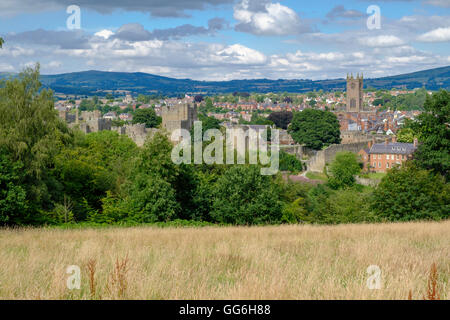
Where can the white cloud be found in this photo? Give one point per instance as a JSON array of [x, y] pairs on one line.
[[381, 41], [406, 60], [105, 33], [239, 54], [5, 67], [218, 61], [267, 18], [436, 35], [54, 64]]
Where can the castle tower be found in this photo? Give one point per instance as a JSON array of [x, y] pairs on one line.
[[354, 93], [180, 116]]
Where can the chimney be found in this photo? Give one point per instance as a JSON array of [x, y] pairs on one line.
[[370, 144], [416, 142], [394, 139], [386, 141]]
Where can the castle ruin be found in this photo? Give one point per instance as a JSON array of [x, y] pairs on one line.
[[181, 116]]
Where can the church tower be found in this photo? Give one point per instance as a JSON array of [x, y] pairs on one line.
[[354, 93]]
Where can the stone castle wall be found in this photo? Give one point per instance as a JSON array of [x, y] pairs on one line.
[[323, 157]]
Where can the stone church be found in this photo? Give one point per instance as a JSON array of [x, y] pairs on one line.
[[355, 93]]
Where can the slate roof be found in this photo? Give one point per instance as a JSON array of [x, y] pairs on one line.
[[392, 148]]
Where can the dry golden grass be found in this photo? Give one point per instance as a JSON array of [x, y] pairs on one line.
[[279, 262]]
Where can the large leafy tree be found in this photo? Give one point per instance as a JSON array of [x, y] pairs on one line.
[[243, 196], [410, 193], [281, 119], [1, 42], [97, 163], [32, 134], [315, 128], [147, 116], [343, 169], [432, 126], [13, 202]]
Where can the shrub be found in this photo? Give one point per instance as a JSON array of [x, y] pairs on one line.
[[410, 193], [343, 169], [243, 196]]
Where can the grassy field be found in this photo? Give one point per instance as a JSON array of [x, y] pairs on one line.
[[274, 262]]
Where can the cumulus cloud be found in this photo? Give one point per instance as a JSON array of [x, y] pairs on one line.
[[73, 39], [173, 8], [436, 35], [381, 41], [239, 54], [132, 48], [137, 32], [105, 33], [266, 18], [216, 61]]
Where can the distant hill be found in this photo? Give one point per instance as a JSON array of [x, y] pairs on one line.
[[97, 82]]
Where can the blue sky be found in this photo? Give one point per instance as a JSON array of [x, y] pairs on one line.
[[227, 39]]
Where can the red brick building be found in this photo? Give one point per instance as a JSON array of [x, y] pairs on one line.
[[380, 157]]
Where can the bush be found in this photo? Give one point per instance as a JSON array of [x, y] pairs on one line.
[[243, 196], [289, 162], [411, 193], [151, 200], [343, 169]]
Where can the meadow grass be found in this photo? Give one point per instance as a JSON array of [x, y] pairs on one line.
[[270, 262]]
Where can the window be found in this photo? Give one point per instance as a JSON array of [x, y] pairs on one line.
[[387, 157], [374, 164], [379, 164], [387, 164], [397, 157], [392, 157]]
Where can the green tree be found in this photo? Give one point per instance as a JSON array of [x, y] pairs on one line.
[[406, 135], [315, 128], [147, 116], [343, 169], [209, 106], [32, 134], [13, 197], [411, 193], [143, 98], [1, 42], [281, 119], [243, 196], [432, 126], [289, 162], [151, 199]]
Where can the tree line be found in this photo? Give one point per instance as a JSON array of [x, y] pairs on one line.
[[50, 174]]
